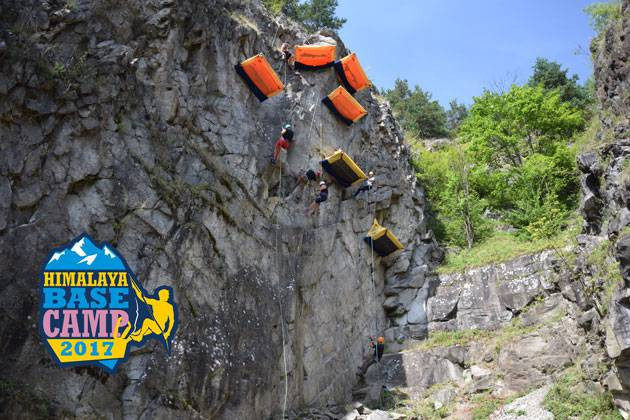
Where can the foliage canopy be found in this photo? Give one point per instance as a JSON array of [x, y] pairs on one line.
[[313, 14]]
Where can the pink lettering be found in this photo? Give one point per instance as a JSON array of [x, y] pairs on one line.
[[51, 333]]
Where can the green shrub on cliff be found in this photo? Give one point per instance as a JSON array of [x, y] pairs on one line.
[[313, 14], [602, 13]]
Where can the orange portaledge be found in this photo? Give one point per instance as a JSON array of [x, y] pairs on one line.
[[258, 75], [351, 74], [312, 57], [344, 106]]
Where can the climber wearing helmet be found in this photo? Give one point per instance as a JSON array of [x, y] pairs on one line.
[[284, 142], [319, 198], [309, 176], [374, 356], [284, 50], [367, 184]]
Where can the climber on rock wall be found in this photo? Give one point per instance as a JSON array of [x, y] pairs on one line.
[[309, 176], [319, 198], [286, 53], [366, 185], [374, 355], [284, 142]]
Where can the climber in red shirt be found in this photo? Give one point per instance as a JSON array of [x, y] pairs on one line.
[[284, 142]]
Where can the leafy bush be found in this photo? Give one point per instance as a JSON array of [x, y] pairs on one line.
[[419, 115], [313, 14], [455, 116], [503, 129], [457, 208], [551, 76], [602, 13], [519, 141]]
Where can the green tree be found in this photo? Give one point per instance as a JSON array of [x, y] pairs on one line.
[[542, 192], [313, 14], [456, 212], [519, 139], [455, 115], [418, 113], [602, 13], [550, 75], [502, 129]]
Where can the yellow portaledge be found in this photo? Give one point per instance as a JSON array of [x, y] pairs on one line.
[[70, 350], [377, 231], [339, 154]]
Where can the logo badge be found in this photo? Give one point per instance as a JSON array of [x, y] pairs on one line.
[[93, 308]]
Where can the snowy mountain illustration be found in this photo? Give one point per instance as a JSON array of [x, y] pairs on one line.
[[85, 255]]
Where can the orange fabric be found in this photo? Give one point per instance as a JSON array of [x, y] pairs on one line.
[[346, 105], [262, 75], [315, 55], [354, 72]]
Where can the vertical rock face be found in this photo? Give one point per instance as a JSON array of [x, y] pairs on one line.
[[489, 297], [606, 191], [126, 120]]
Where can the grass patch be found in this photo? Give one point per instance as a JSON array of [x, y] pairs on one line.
[[486, 404], [567, 400], [504, 246], [395, 400], [492, 338]]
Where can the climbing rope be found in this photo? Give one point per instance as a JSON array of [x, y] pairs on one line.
[[273, 40], [279, 293], [284, 357], [321, 139], [372, 269], [284, 345]]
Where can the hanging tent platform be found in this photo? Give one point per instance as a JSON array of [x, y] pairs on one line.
[[341, 167], [258, 75], [382, 239], [351, 74], [344, 106], [313, 57]]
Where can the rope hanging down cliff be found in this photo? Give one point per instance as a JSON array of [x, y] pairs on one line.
[[279, 294]]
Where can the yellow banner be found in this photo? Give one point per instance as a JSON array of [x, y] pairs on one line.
[[84, 349]]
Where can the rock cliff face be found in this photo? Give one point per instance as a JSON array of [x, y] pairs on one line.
[[609, 189], [127, 121]]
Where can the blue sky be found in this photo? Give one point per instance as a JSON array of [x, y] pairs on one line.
[[456, 48]]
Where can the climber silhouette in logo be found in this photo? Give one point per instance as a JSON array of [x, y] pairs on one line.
[[162, 319]]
